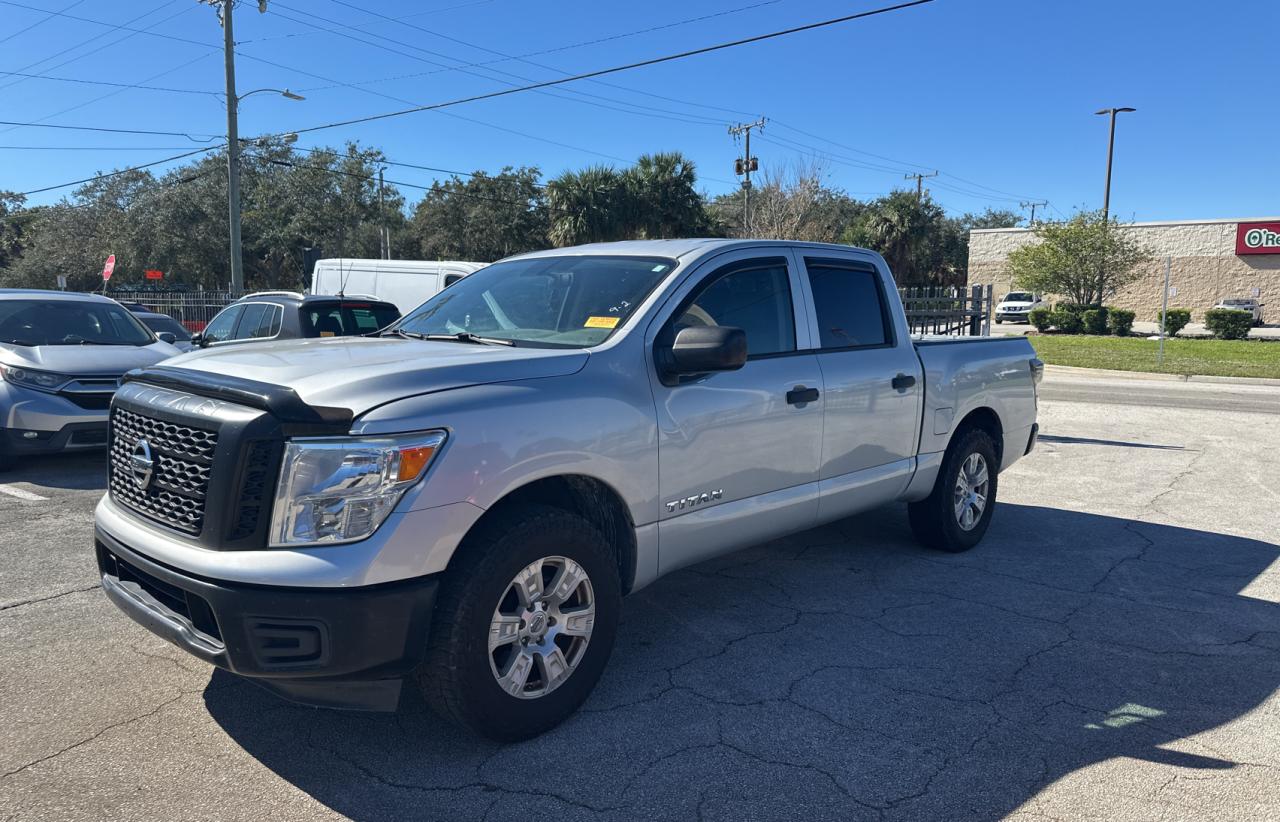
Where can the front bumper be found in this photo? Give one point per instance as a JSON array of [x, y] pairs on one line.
[[328, 647], [38, 422], [1014, 316]]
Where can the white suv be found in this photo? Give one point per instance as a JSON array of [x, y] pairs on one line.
[[1016, 306], [1243, 304]]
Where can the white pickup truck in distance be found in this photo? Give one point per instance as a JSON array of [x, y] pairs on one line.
[[462, 502]]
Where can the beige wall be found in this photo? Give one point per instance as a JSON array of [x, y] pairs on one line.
[[1205, 267]]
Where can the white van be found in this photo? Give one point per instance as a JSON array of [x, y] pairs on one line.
[[407, 283]]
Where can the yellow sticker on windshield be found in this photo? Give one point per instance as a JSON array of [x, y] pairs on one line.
[[601, 322], [326, 333]]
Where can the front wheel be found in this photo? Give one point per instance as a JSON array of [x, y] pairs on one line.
[[998, 320], [955, 515], [524, 624]]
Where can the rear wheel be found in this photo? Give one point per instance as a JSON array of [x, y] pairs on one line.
[[524, 624], [956, 514]]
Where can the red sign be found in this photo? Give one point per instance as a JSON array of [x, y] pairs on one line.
[[108, 268], [152, 274], [1258, 238]]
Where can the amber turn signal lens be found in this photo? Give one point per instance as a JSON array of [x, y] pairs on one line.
[[413, 461]]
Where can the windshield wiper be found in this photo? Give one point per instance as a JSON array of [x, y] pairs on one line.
[[468, 337], [461, 336]]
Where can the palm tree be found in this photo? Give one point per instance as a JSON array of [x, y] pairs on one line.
[[663, 198], [587, 206]]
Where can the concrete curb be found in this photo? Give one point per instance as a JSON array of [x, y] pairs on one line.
[[1073, 371]]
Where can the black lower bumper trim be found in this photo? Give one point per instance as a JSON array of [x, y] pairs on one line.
[[1031, 440], [74, 435], [329, 647]]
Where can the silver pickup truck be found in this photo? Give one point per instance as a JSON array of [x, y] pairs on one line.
[[462, 501]]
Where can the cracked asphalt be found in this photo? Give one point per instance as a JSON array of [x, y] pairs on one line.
[[1112, 650]]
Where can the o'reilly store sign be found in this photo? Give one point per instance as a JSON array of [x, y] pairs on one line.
[[1258, 238]]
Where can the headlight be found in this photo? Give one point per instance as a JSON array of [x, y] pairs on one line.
[[340, 489], [45, 380]]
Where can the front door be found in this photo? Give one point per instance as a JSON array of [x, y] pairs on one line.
[[738, 451]]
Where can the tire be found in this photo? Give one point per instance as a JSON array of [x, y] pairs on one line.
[[460, 676], [998, 320], [934, 519]]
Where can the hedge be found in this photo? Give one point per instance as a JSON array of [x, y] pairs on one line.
[[1228, 323], [1067, 321], [1175, 319], [1041, 318], [1095, 320], [1120, 321]]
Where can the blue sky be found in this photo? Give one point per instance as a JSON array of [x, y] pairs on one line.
[[996, 94]]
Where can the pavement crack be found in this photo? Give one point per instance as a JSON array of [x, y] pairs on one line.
[[37, 600], [87, 740]]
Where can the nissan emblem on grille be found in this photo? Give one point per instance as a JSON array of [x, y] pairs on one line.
[[141, 464]]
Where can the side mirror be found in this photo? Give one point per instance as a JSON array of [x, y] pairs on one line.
[[702, 349], [197, 339], [167, 337]]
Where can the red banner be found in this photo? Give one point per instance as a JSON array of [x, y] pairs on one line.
[[1258, 238], [152, 274]]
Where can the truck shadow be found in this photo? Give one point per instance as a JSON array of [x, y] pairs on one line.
[[848, 673], [73, 471]]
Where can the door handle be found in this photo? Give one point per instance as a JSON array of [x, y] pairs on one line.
[[800, 394], [903, 381]]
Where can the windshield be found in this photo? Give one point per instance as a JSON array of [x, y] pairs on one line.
[[69, 322], [1237, 302], [1020, 297], [163, 322], [561, 302]]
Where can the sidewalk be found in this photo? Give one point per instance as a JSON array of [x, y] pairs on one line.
[[1150, 376], [1266, 332]]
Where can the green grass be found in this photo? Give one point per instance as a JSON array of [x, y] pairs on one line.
[[1217, 358]]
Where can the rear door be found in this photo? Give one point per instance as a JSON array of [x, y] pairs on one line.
[[738, 451], [872, 378]]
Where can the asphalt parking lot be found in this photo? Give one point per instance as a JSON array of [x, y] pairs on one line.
[[1111, 651]]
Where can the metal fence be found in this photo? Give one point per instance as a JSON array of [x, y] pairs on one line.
[[952, 312], [194, 309]]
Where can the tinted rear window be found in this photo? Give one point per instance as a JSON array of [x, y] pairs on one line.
[[850, 309], [347, 319]]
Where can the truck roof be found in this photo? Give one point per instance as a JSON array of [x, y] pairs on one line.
[[672, 248]]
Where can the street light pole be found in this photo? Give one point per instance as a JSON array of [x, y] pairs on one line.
[[1111, 146]]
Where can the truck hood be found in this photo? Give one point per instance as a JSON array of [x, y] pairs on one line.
[[86, 360], [362, 373]]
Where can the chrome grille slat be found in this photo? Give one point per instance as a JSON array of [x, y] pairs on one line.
[[183, 457]]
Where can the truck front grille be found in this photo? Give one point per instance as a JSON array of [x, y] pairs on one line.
[[182, 456]]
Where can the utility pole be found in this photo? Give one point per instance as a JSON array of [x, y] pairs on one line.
[[743, 166], [1111, 146], [225, 9], [1033, 205], [919, 178], [384, 238], [233, 147]]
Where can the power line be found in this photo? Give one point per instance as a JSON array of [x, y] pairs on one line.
[[48, 15], [193, 136], [96, 41], [615, 69], [107, 83], [113, 26], [422, 13], [119, 171], [90, 148]]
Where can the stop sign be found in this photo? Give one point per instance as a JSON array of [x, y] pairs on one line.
[[108, 268]]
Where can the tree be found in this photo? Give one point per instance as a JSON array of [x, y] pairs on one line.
[[15, 227], [655, 198], [790, 202], [913, 235], [662, 200], [484, 218], [1086, 259]]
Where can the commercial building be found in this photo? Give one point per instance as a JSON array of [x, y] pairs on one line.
[[1211, 260]]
